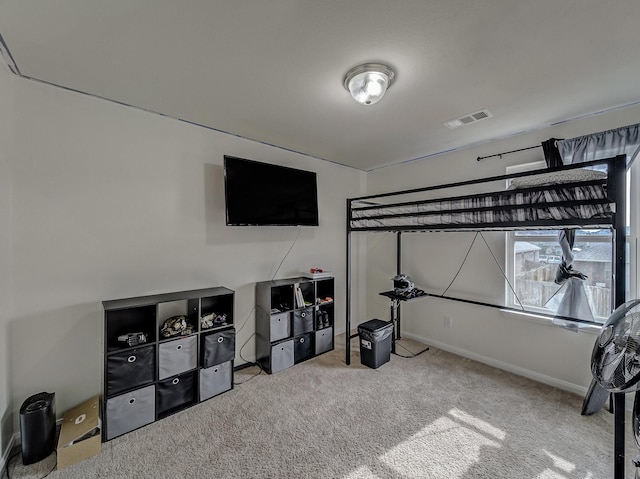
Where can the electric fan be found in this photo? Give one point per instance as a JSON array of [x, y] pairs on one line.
[[615, 365], [615, 360]]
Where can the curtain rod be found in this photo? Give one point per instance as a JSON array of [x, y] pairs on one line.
[[508, 152]]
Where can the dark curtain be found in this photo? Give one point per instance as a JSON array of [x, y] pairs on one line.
[[605, 144], [551, 153]]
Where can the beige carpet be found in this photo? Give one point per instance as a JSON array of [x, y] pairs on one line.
[[434, 416]]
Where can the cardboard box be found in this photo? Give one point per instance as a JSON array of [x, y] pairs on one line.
[[80, 435]]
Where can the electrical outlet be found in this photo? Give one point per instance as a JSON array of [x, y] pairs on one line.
[[447, 322]]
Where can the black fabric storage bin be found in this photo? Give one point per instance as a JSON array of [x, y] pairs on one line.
[[303, 321], [218, 348], [130, 369], [375, 342], [302, 347], [175, 392]]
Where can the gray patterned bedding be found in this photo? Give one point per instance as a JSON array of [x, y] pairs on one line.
[[536, 201]]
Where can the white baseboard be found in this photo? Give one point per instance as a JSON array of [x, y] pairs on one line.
[[527, 373], [6, 454]]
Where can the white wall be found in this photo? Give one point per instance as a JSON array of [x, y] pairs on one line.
[[100, 201], [112, 202], [6, 305], [548, 353]]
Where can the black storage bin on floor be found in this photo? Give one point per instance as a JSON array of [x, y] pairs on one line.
[[375, 342]]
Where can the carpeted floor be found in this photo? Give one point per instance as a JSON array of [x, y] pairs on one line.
[[433, 416]]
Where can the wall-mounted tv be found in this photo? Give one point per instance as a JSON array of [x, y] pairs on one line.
[[259, 194]]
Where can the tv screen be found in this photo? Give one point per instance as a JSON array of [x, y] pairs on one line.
[[259, 193]]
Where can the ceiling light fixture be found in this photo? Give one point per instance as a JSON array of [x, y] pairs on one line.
[[369, 82]]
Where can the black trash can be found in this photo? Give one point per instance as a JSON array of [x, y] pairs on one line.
[[375, 342], [38, 427]]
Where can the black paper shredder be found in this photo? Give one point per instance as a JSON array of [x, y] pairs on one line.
[[38, 427]]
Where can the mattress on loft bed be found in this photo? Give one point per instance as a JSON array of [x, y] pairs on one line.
[[572, 195]]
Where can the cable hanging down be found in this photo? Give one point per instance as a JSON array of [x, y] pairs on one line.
[[494, 259]]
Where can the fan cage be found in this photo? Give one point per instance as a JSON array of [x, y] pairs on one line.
[[615, 361]]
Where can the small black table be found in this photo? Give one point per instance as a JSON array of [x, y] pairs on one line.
[[396, 298]]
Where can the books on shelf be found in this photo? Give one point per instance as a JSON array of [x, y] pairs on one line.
[[299, 297]]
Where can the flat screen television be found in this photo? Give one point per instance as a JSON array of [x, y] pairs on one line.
[[261, 194]]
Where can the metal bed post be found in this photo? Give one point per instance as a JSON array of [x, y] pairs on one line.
[[396, 303], [619, 194], [347, 338]]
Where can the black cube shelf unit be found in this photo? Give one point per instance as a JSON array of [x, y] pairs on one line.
[[294, 321], [148, 381]]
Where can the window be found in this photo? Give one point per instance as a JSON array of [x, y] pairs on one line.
[[533, 258]]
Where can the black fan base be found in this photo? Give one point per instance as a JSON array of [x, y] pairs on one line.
[[595, 399]]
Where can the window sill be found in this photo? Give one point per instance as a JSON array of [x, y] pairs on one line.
[[537, 318]]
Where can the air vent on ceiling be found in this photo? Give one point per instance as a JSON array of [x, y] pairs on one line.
[[468, 119]]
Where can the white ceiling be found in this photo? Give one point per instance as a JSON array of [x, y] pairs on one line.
[[272, 70]]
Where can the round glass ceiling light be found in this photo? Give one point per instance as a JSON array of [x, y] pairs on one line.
[[369, 82]]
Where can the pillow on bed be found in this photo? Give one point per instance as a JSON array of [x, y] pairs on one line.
[[556, 177]]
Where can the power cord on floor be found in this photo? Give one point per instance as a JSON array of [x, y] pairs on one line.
[[413, 355], [250, 363], [16, 454], [256, 374], [11, 457]]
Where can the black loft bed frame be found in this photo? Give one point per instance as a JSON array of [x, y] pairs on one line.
[[615, 195]]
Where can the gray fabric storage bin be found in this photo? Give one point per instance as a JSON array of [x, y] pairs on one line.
[[303, 321], [130, 369], [324, 340], [280, 327], [281, 356], [215, 380], [218, 347], [130, 411], [178, 356]]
